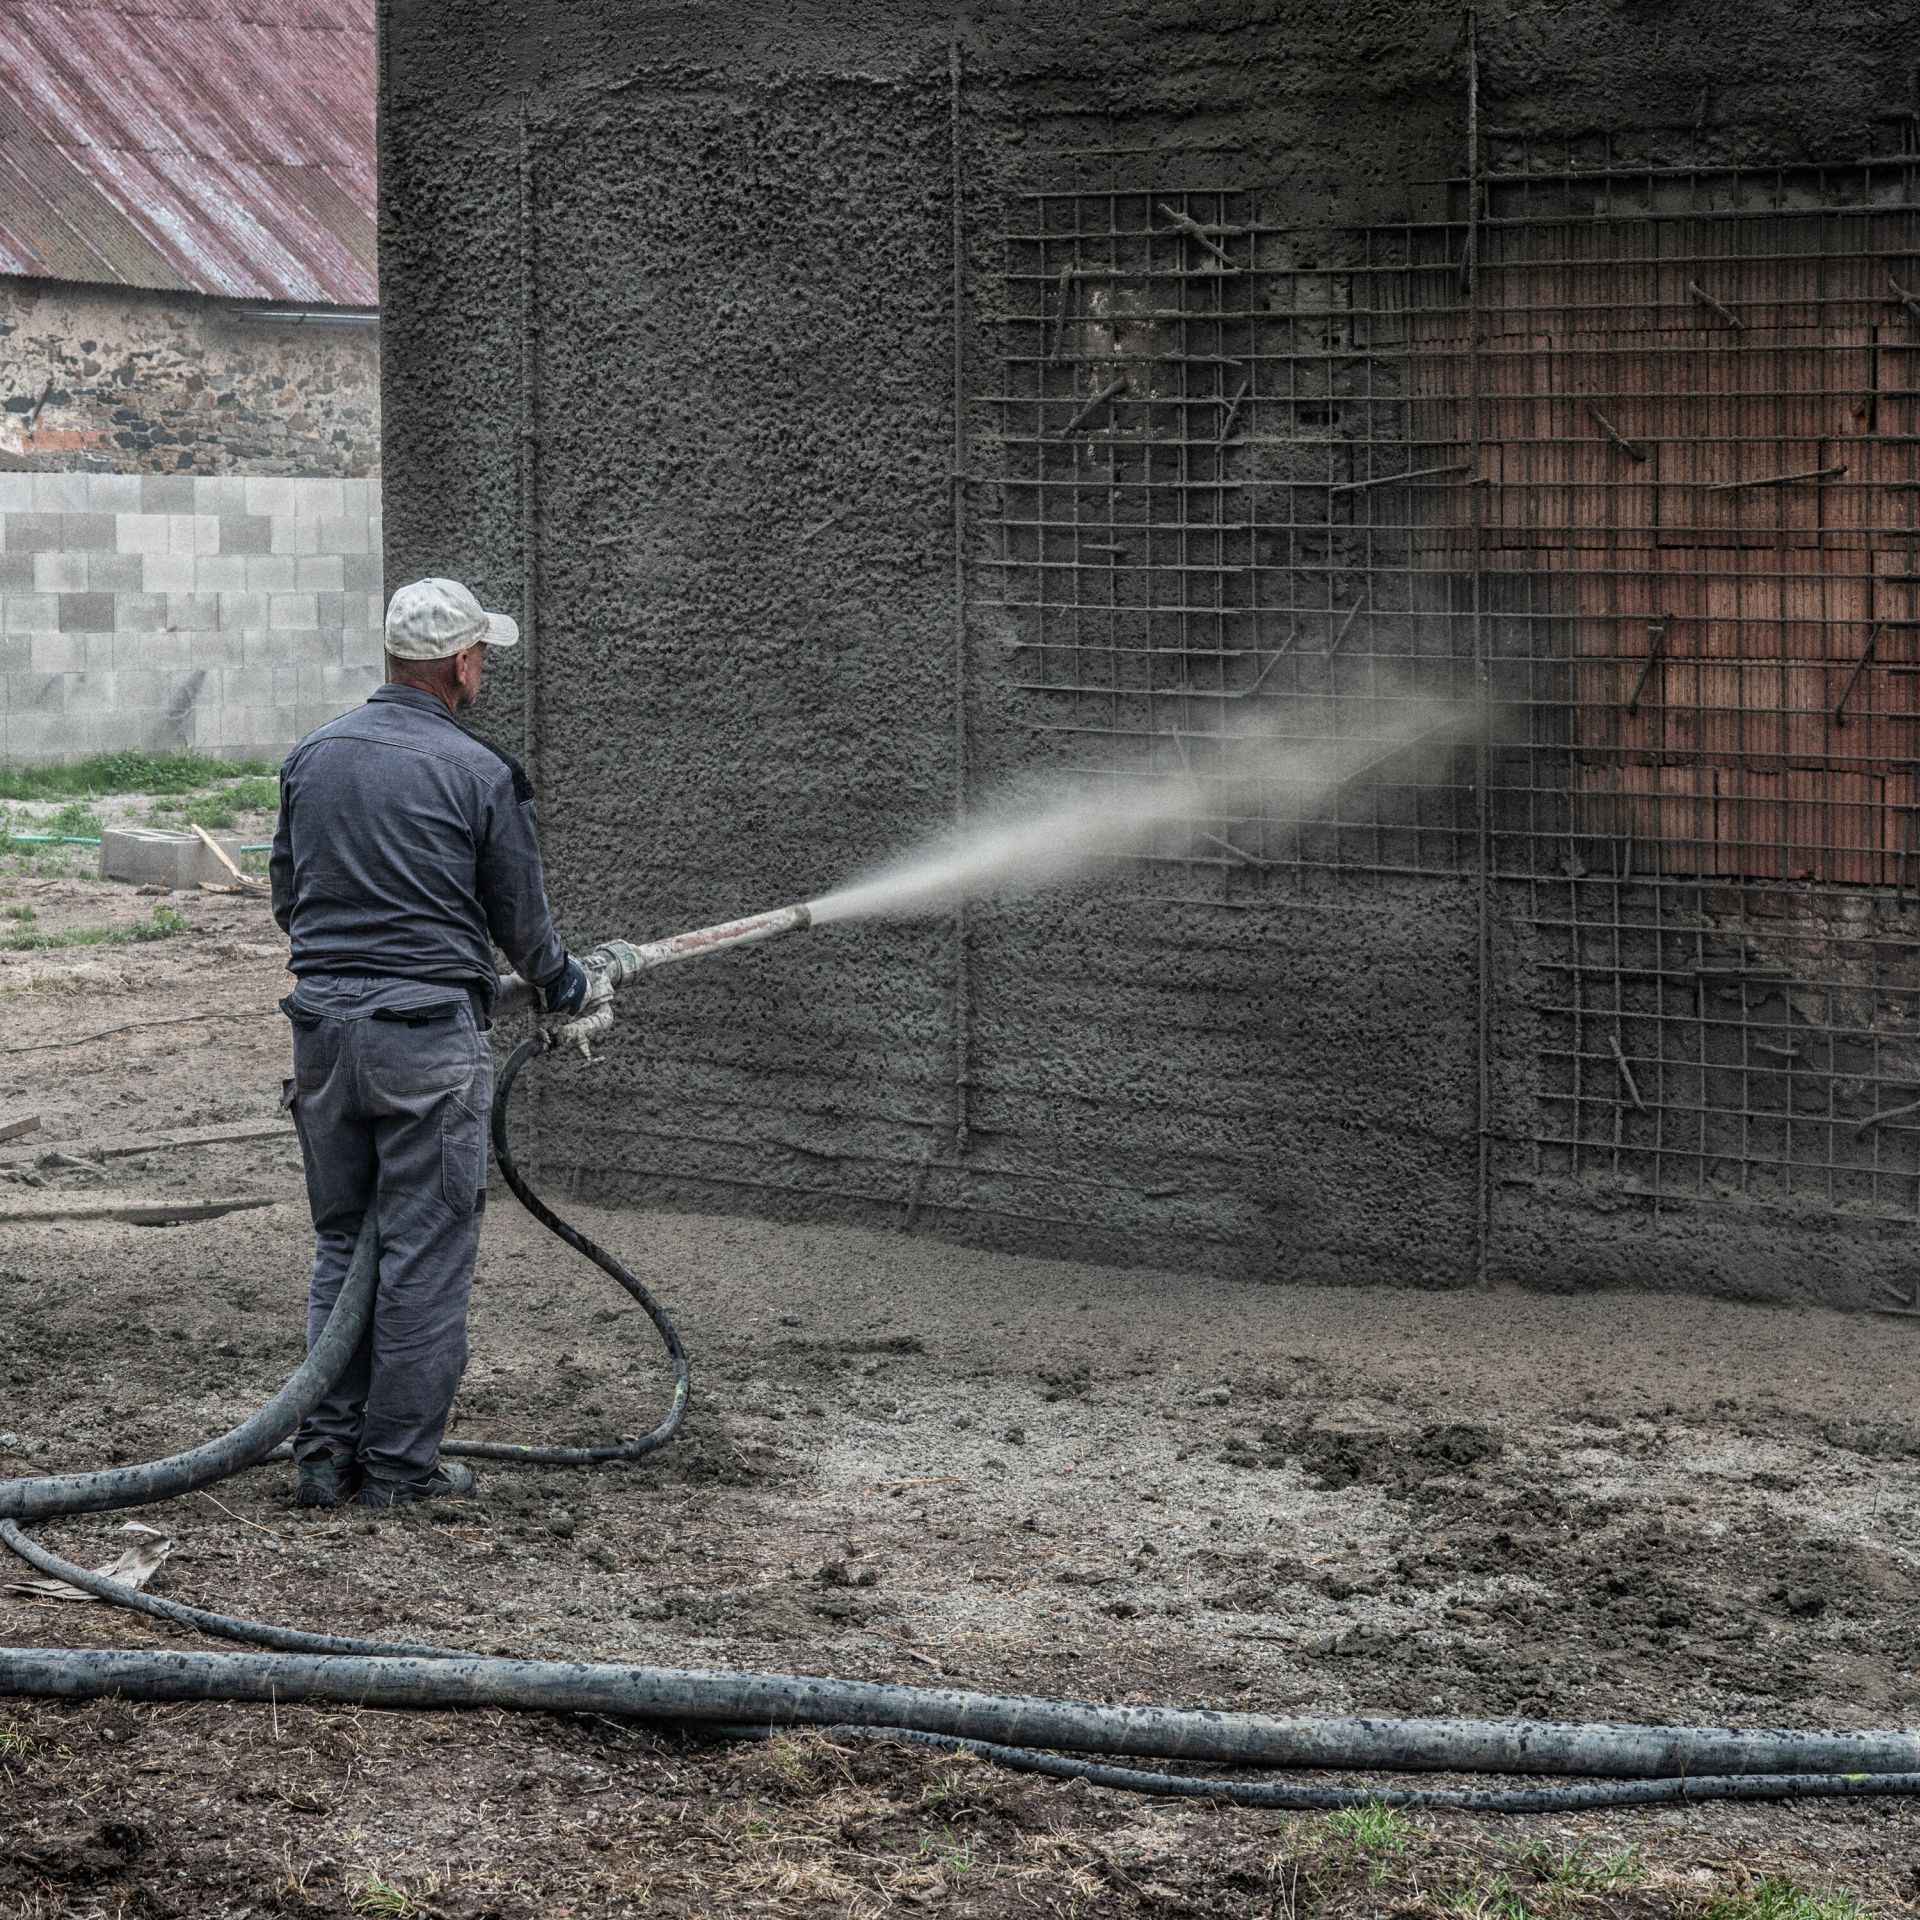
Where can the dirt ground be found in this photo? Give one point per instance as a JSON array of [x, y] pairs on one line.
[[910, 1461]]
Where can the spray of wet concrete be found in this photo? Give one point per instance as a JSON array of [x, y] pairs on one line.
[[736, 226]]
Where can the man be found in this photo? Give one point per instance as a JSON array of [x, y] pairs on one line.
[[404, 855]]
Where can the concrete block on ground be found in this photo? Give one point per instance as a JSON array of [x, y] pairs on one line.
[[151, 857]]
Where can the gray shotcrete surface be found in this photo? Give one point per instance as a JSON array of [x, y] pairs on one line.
[[747, 676]]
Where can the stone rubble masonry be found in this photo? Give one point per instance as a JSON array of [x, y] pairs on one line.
[[229, 615], [117, 379]]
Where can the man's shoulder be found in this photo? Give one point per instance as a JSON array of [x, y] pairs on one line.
[[392, 723]]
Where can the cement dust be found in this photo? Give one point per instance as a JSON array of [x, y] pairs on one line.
[[1021, 845]]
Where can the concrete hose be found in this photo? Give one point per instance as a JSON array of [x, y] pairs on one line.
[[1629, 1765]]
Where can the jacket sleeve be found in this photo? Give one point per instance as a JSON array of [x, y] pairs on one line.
[[513, 889], [280, 862]]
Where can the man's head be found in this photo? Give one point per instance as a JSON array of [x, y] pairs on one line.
[[437, 637]]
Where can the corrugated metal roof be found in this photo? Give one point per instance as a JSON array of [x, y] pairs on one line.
[[205, 146]]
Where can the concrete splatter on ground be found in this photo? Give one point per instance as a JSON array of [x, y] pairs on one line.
[[910, 1460]]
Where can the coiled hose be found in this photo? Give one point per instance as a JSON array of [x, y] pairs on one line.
[[1628, 1765]]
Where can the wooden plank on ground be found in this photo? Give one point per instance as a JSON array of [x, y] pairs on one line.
[[232, 1133], [153, 1211], [15, 1128]]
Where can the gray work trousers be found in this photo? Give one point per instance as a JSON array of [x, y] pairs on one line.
[[392, 1114]]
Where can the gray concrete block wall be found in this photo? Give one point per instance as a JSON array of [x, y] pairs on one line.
[[226, 614]]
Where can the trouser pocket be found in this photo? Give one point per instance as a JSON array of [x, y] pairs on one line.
[[463, 1151]]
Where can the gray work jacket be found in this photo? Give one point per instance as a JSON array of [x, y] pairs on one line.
[[406, 849]]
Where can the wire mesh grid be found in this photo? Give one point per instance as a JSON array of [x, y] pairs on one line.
[[1643, 440]]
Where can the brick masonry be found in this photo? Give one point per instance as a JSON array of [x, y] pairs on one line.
[[229, 614]]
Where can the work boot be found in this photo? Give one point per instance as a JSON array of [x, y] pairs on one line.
[[327, 1480], [448, 1479]]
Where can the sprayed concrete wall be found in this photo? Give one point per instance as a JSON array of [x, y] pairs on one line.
[[671, 355]]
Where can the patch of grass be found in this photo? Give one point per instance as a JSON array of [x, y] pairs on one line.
[[1770, 1896], [23, 913], [129, 772], [75, 817], [1581, 1866], [388, 1898], [1491, 1898], [1373, 1829], [219, 806], [162, 924], [14, 1744]]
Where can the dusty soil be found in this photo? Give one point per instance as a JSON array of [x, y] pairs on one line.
[[911, 1461]]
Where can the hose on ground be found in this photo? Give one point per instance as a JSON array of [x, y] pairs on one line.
[[1635, 1765], [669, 1334], [42, 1497], [1312, 1797]]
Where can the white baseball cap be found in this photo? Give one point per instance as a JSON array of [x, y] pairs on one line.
[[430, 619]]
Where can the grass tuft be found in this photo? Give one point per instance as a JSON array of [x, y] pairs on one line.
[[129, 772], [1774, 1897], [162, 924], [389, 1899]]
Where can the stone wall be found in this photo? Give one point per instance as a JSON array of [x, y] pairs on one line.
[[224, 614], [114, 378]]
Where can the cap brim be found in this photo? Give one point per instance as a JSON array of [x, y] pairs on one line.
[[501, 632]]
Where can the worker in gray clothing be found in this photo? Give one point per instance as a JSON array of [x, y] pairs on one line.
[[405, 854]]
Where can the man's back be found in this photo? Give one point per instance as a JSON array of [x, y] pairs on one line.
[[406, 848]]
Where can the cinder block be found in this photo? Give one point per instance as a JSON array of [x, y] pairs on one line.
[[113, 492], [30, 692], [269, 573], [196, 610], [34, 532], [16, 655], [39, 735], [360, 573], [221, 572], [31, 612], [245, 533], [209, 649], [57, 572], [346, 533], [220, 493], [168, 572], [261, 647], [86, 612], [243, 609], [158, 649], [116, 572], [59, 492], [265, 495], [139, 612], [90, 532], [361, 647], [319, 572], [167, 493], [148, 857], [16, 493], [93, 692], [144, 532], [99, 651], [58, 652], [292, 610], [316, 499]]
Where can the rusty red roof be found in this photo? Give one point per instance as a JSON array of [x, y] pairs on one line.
[[205, 146]]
